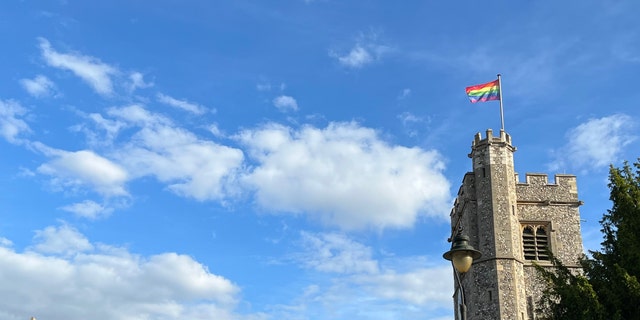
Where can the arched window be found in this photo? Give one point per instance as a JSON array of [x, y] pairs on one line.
[[535, 242]]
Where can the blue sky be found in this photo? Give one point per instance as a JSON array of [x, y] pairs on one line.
[[256, 160]]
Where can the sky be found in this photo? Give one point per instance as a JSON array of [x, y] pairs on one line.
[[290, 160]]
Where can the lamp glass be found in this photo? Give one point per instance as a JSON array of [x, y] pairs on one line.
[[462, 260]]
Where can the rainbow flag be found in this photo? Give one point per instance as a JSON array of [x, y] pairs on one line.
[[484, 92]]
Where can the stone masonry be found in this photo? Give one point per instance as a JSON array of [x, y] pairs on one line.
[[505, 218]]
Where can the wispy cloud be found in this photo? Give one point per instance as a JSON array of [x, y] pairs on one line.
[[411, 123], [191, 166], [405, 93], [263, 86], [409, 118], [356, 58], [366, 51], [40, 86], [96, 73], [421, 286], [11, 124], [596, 143], [182, 104], [267, 86], [107, 129], [285, 103], [137, 81], [355, 281], [154, 146], [88, 209], [216, 131], [335, 253]]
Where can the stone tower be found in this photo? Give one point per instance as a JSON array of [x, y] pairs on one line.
[[513, 224]]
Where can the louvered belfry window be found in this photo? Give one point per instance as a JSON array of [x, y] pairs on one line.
[[535, 242]]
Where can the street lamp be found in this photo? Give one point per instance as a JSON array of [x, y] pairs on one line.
[[462, 253], [461, 256]]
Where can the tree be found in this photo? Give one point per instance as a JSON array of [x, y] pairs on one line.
[[568, 296], [609, 288], [615, 269]]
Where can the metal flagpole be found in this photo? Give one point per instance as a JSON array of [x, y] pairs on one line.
[[501, 113]]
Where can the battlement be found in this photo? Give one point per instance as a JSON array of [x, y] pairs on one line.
[[503, 140], [489, 138], [543, 179], [536, 187]]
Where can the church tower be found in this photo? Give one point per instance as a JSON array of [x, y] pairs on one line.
[[514, 224]]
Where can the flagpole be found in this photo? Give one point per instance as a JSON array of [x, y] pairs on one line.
[[501, 113]]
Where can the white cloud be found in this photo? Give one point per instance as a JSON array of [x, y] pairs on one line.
[[110, 127], [263, 86], [96, 73], [181, 104], [152, 146], [267, 86], [139, 116], [408, 288], [215, 130], [191, 166], [412, 124], [137, 81], [345, 175], [39, 86], [63, 240], [4, 242], [85, 168], [88, 209], [285, 103], [596, 143], [11, 127], [332, 252], [356, 58], [366, 51], [94, 281], [404, 94], [104, 133], [408, 118], [422, 286]]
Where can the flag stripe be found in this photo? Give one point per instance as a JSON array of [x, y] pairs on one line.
[[484, 92]]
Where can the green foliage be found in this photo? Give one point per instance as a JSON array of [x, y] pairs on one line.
[[615, 269], [618, 291], [569, 296], [609, 288], [622, 223]]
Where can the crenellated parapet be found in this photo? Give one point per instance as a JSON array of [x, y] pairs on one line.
[[503, 139], [537, 188], [543, 179]]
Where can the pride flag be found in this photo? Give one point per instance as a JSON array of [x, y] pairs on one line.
[[484, 92]]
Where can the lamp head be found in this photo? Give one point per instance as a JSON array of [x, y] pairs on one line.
[[462, 253]]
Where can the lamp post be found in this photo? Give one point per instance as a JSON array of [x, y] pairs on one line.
[[461, 256]]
